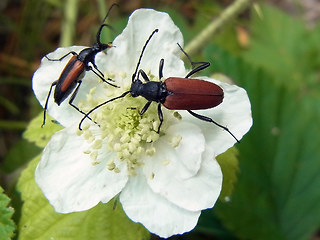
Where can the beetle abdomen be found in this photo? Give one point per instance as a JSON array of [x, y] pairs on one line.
[[192, 94], [68, 79], [73, 74]]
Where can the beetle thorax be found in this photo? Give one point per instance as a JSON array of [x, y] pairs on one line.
[[152, 90], [87, 55]]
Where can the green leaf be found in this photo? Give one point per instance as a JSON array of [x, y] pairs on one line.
[[228, 162], [210, 225], [284, 47], [41, 135], [22, 152], [277, 192], [7, 226], [40, 221]]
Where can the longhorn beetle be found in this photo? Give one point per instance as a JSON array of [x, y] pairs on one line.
[[174, 93], [71, 76]]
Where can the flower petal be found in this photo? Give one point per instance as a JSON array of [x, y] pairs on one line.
[[183, 160], [234, 113], [128, 45], [157, 214], [192, 189], [50, 71], [70, 180]]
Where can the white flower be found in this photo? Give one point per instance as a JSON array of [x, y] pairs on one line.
[[163, 181]]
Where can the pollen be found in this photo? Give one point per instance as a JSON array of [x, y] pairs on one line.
[[92, 91], [94, 163], [97, 144], [79, 132], [150, 151], [87, 152], [111, 165], [94, 155], [123, 75], [165, 162], [122, 129], [175, 141], [177, 115]]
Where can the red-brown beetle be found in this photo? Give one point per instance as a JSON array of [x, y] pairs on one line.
[[174, 93], [71, 76]]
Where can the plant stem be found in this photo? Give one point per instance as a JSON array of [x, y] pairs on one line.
[[207, 34], [69, 23]]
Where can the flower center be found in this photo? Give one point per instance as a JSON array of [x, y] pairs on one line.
[[123, 129]]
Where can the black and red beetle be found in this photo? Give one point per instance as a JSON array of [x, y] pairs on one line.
[[71, 76], [174, 93]]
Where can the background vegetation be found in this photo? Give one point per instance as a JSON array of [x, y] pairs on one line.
[[271, 49]]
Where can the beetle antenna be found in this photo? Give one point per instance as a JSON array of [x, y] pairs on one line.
[[202, 66], [100, 105], [114, 4], [186, 54], [99, 34], [105, 25], [144, 47]]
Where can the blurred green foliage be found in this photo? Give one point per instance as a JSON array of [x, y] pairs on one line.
[[276, 194], [228, 162]]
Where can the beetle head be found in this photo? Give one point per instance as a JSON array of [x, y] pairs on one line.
[[136, 87]]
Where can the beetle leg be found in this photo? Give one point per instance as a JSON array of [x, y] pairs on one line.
[[72, 52], [101, 74], [144, 75], [101, 77], [199, 68], [95, 66], [46, 105], [160, 117], [161, 69], [74, 94], [187, 55], [207, 119], [145, 108]]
